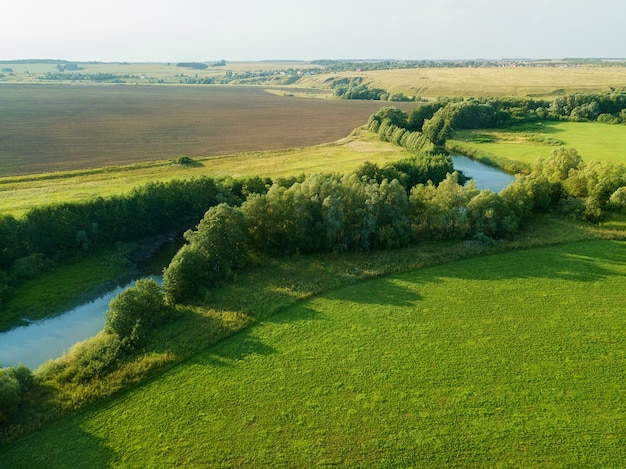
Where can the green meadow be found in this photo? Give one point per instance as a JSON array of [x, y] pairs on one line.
[[508, 360], [592, 140], [18, 194]]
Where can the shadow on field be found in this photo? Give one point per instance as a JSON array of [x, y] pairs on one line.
[[240, 346], [81, 449], [386, 292], [576, 262]]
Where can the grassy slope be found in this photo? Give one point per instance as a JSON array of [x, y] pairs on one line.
[[514, 359], [593, 141], [19, 193], [535, 81]]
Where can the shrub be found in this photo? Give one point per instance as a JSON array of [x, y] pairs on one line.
[[136, 309], [86, 360]]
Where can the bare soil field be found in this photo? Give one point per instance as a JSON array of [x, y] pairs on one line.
[[46, 128]]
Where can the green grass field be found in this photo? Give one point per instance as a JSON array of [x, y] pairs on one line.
[[20, 193], [512, 360], [593, 141]]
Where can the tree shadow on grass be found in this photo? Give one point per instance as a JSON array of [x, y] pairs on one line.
[[77, 448], [575, 262], [236, 348], [387, 291]]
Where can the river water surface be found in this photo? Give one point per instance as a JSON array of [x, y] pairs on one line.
[[39, 341], [35, 343], [486, 177]]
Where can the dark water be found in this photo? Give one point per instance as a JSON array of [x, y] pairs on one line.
[[486, 177]]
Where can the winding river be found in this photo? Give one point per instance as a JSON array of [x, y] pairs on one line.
[[36, 343]]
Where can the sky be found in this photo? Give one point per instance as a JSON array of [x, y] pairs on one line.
[[251, 30]]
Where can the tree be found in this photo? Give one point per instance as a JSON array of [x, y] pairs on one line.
[[136, 310], [490, 216], [421, 113], [186, 274], [438, 128], [558, 166], [216, 249], [9, 394]]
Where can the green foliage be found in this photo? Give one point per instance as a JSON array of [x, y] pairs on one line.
[[491, 217], [9, 394], [15, 382], [619, 196], [89, 360], [192, 65], [361, 91], [438, 120], [559, 165], [216, 249], [136, 310]]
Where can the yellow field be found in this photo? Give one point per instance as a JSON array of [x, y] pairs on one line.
[[488, 81]]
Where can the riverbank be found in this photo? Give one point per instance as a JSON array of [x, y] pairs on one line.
[[84, 279], [259, 294]]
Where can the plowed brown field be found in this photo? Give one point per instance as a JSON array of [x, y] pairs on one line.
[[47, 128]]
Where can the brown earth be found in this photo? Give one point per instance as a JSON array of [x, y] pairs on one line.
[[46, 128]]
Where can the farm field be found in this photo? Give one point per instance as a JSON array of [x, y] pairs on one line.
[[21, 193], [508, 360], [146, 72], [485, 81], [46, 128], [593, 141]]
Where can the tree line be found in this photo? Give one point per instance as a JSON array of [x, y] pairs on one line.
[[439, 119], [47, 235]]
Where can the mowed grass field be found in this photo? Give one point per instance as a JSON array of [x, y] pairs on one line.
[[45, 128], [508, 360], [592, 140]]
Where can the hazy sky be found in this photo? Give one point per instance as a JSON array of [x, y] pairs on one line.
[[199, 30]]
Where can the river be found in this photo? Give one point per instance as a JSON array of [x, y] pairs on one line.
[[39, 341], [35, 343], [486, 177]]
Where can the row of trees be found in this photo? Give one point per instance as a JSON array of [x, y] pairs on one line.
[[438, 120], [373, 208], [49, 234]]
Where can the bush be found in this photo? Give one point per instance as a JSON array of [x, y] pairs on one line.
[[136, 310], [86, 360]]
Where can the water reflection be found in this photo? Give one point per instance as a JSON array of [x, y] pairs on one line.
[[35, 343], [485, 177]]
